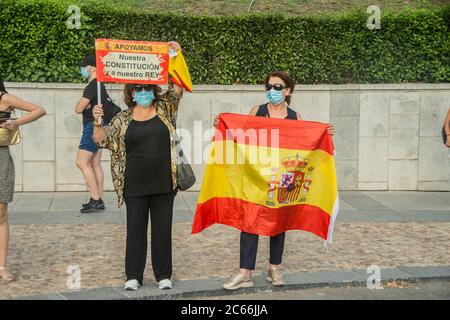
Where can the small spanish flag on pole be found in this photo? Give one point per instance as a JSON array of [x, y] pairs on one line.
[[179, 71], [266, 176]]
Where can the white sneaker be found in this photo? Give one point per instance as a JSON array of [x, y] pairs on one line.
[[165, 284], [132, 285]]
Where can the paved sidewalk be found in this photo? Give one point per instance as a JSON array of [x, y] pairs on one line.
[[393, 230]]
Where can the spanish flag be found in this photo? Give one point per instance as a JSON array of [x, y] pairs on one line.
[[266, 176], [179, 71]]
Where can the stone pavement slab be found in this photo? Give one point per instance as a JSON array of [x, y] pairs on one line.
[[344, 206], [362, 201], [106, 293], [373, 216], [66, 201], [408, 201], [394, 274], [27, 218], [346, 276], [35, 202], [51, 296], [426, 215], [429, 272]]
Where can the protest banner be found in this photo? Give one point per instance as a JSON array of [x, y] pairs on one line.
[[129, 61], [126, 61]]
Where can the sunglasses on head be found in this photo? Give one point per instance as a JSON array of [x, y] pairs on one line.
[[146, 87], [276, 86]]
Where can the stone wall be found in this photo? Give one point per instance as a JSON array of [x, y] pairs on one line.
[[388, 137]]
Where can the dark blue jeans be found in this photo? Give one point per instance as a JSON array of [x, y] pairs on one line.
[[249, 248]]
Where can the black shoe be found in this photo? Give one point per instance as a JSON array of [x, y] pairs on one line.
[[101, 204], [84, 205], [94, 206]]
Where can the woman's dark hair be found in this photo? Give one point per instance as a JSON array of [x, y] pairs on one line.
[[128, 94], [2, 86], [287, 81]]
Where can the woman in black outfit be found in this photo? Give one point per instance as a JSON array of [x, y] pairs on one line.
[[143, 165]]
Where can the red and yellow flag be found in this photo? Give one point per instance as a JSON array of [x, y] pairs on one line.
[[179, 71], [266, 176]]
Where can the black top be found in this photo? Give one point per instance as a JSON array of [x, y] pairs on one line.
[[148, 164], [90, 92], [263, 111], [4, 114]]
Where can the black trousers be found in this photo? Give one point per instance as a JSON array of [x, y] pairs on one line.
[[161, 214], [249, 248]]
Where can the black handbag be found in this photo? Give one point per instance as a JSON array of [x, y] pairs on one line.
[[111, 110], [185, 174]]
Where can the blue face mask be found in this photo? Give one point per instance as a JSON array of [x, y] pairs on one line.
[[84, 72], [172, 53], [144, 98], [275, 97]]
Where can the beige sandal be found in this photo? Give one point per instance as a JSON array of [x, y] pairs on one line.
[[5, 275]]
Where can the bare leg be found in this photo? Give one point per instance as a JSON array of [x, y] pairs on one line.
[[4, 241], [84, 159], [96, 164]]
